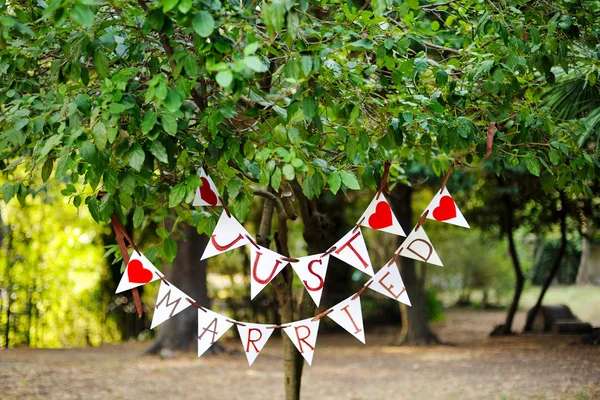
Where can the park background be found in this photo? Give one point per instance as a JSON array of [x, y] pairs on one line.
[[109, 108]]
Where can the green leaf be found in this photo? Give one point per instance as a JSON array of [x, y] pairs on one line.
[[441, 77], [306, 63], [155, 20], [138, 217], [82, 15], [288, 172], [177, 194], [170, 249], [89, 153], [276, 178], [168, 5], [148, 121], [233, 187], [169, 123], [349, 179], [100, 63], [224, 78], [335, 181], [47, 169], [158, 150], [241, 207], [309, 107], [100, 135], [184, 6], [436, 165], [255, 64], [203, 23], [532, 164], [435, 25], [379, 7], [136, 157], [421, 65], [273, 15]]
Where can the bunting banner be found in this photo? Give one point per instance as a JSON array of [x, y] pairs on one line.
[[379, 216], [254, 337], [304, 336], [206, 194], [352, 250], [138, 272], [348, 315], [312, 270], [170, 301], [442, 208], [229, 234], [265, 265], [418, 247], [388, 282], [211, 326]]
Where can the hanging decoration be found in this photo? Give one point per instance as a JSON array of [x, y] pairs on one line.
[[265, 264], [207, 194]]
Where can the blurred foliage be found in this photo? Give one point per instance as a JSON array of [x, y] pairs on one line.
[[51, 270], [547, 252]]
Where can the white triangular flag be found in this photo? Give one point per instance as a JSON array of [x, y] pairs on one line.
[[304, 336], [138, 272], [265, 265], [442, 208], [379, 216], [388, 282], [352, 250], [170, 301], [418, 246], [312, 270], [207, 194], [254, 337], [229, 234], [348, 315], [211, 326]]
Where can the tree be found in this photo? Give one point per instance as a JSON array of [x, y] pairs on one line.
[[284, 97]]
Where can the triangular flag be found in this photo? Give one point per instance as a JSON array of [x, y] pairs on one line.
[[138, 272], [207, 194], [418, 246], [379, 216], [265, 264], [312, 270], [254, 337], [229, 234], [170, 301], [442, 208], [211, 326], [304, 336], [388, 282], [352, 250], [348, 315]]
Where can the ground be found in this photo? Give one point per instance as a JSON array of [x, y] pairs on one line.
[[474, 367]]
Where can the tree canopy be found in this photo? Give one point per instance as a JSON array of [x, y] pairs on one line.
[[132, 97]]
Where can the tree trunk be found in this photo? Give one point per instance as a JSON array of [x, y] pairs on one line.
[[563, 247], [506, 329], [589, 265], [188, 274], [415, 330], [315, 230]]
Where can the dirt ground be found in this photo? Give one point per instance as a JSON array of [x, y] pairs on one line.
[[474, 367]]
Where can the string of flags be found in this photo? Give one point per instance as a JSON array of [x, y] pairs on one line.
[[265, 264]]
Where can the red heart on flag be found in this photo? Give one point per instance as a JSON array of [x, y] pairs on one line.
[[382, 218], [206, 193], [446, 210], [137, 273]]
